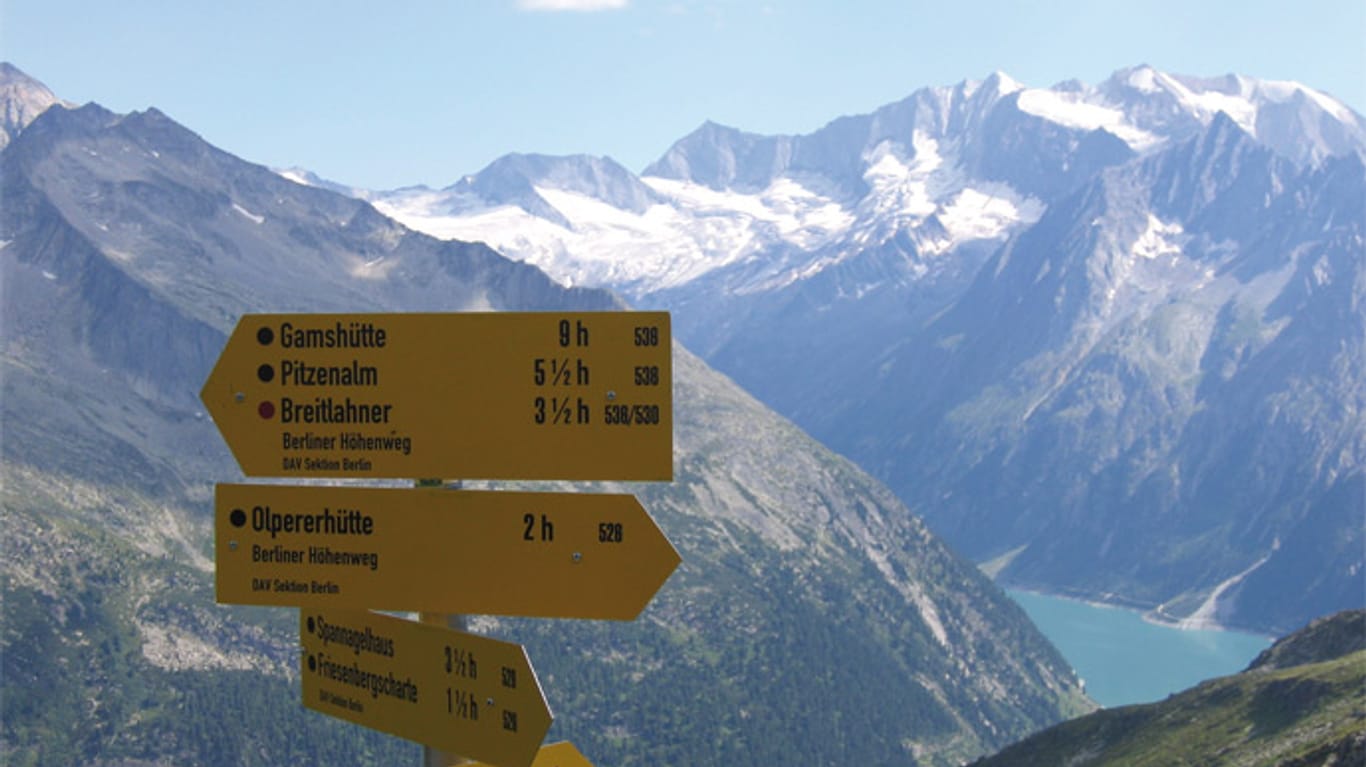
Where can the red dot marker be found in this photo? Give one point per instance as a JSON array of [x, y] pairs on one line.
[[266, 410]]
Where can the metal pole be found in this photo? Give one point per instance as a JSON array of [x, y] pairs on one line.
[[432, 757]]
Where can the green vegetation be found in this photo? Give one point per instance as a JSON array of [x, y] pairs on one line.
[[1309, 714], [110, 654], [813, 620], [114, 651]]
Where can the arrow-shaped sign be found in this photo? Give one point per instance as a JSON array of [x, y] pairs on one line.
[[547, 555], [458, 692], [498, 395]]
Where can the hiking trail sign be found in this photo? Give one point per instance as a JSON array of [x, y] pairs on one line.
[[445, 688], [497, 395], [549, 555], [548, 396]]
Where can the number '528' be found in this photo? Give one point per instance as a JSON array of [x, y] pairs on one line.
[[609, 532]]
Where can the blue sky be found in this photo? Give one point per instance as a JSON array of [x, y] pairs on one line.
[[390, 94]]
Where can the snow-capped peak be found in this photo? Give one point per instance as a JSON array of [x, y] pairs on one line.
[[1002, 84], [22, 99], [1294, 120], [305, 177], [1075, 110], [944, 169]]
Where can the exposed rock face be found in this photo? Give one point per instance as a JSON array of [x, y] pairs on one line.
[[1115, 332], [813, 617]]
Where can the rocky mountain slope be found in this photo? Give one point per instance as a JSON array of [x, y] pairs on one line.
[[1109, 336], [813, 618]]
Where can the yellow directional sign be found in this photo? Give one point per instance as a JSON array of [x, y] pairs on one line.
[[562, 754], [501, 395], [548, 555], [458, 692]]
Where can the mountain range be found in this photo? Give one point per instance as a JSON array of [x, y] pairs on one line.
[[1108, 340], [814, 617]]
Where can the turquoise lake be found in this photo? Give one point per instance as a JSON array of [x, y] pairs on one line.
[[1125, 659]]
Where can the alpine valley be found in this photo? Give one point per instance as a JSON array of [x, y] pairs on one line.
[[814, 619], [1107, 340]]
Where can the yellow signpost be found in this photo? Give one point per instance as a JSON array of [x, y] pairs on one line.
[[554, 395], [499, 553], [500, 395], [464, 693]]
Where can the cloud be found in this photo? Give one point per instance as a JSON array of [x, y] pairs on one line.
[[571, 5]]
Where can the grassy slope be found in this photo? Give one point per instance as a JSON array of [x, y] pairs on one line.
[[1290, 716]]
